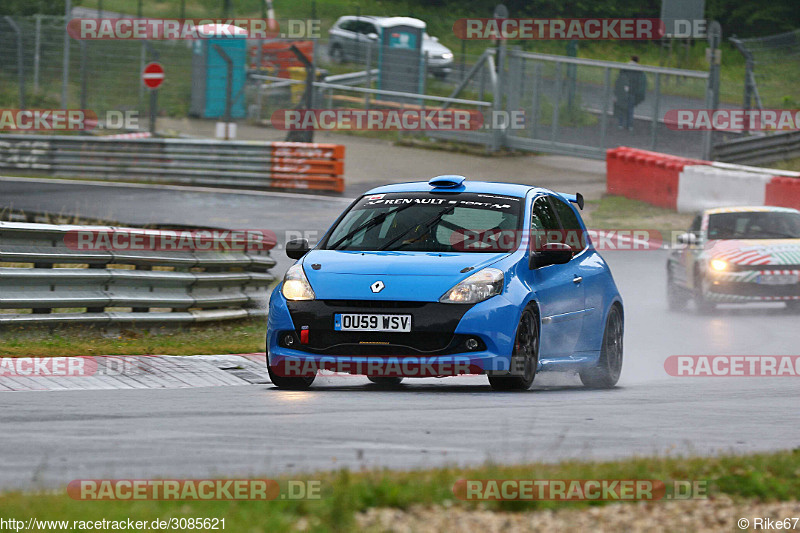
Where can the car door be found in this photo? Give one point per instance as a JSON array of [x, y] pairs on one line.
[[365, 44], [681, 260], [348, 37], [590, 272], [559, 291]]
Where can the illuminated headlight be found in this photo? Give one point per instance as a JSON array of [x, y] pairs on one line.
[[718, 265], [478, 287], [447, 55], [296, 286]]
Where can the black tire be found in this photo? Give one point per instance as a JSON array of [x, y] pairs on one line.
[[526, 345], [289, 383], [336, 54], [606, 373], [702, 305], [677, 297], [385, 381]]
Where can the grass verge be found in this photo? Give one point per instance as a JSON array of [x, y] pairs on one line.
[[759, 477], [240, 336], [617, 212]]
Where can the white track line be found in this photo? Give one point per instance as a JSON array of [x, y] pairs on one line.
[[184, 188]]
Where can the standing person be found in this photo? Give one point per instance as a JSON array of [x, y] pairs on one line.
[[629, 91]]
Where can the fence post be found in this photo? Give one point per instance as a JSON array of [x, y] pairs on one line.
[[84, 74], [36, 49], [606, 100], [20, 67], [656, 102], [554, 123], [712, 87], [65, 63]]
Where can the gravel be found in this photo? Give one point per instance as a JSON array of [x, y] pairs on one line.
[[718, 514]]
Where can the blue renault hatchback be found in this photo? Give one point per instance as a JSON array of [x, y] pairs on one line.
[[445, 278]]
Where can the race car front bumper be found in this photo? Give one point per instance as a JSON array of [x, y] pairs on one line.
[[753, 285], [445, 339]]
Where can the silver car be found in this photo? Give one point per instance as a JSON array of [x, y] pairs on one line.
[[351, 38]]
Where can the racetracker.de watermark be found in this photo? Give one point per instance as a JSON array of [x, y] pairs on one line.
[[193, 489], [66, 120], [578, 489], [190, 29], [123, 239], [392, 119], [562, 28], [733, 365], [733, 119]]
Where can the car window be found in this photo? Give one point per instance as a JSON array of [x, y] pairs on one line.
[[429, 222], [349, 25], [754, 225], [544, 216], [695, 227], [366, 28], [544, 223], [573, 233]]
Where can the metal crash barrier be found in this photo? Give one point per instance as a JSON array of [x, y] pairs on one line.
[[245, 164], [49, 275]]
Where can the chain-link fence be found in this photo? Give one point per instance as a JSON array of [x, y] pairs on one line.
[[577, 105], [562, 104], [99, 75], [772, 70]]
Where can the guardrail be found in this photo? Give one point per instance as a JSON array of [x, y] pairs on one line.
[[82, 284], [757, 150], [245, 164]]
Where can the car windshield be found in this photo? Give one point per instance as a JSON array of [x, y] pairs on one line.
[[427, 222], [754, 225]]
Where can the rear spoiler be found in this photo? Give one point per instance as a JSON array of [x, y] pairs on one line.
[[576, 198]]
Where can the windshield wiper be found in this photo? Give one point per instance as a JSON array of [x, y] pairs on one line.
[[424, 226], [367, 225]]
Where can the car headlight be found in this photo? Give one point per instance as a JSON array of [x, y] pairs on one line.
[[719, 265], [447, 55], [478, 287], [296, 285]]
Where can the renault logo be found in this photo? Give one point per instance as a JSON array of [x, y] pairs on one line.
[[377, 286]]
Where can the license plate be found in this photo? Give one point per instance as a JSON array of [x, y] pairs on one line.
[[777, 279], [359, 322]]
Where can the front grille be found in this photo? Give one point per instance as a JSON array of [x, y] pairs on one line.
[[756, 289], [765, 268], [374, 304], [433, 328]]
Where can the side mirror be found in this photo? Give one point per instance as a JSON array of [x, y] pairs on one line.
[[435, 39], [372, 36], [687, 238], [297, 248], [552, 253]]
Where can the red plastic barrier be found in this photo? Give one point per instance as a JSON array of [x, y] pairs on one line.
[[651, 177], [783, 192], [277, 57]]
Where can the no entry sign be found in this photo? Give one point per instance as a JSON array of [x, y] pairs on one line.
[[153, 75]]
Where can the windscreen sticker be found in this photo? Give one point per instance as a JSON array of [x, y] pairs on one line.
[[380, 201]]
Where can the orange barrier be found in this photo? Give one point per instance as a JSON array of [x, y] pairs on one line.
[[783, 192], [308, 166], [277, 57], [651, 177]]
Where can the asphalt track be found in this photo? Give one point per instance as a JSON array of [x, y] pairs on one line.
[[51, 438]]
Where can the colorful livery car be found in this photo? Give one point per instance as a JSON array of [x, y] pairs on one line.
[[737, 255]]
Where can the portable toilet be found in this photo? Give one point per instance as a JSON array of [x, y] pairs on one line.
[[210, 71], [400, 54]]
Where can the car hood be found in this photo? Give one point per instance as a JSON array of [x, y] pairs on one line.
[[434, 48], [409, 276], [756, 251]]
